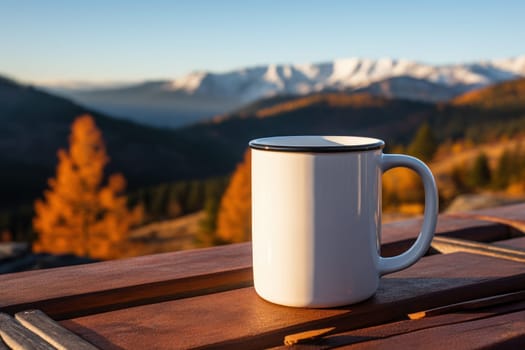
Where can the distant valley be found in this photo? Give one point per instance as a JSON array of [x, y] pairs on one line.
[[203, 95]]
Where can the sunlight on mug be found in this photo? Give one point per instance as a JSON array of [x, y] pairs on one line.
[[316, 218]]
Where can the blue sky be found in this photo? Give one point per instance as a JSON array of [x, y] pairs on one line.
[[52, 40]]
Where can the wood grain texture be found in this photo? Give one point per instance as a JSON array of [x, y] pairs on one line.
[[404, 327], [53, 333], [501, 332], [448, 245], [17, 337], [510, 215], [398, 236], [512, 243], [75, 290], [239, 318]]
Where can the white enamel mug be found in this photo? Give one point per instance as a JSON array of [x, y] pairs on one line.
[[316, 218]]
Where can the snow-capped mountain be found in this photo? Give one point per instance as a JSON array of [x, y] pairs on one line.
[[254, 83], [201, 95]]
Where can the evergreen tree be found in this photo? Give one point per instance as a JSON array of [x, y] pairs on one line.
[[458, 176], [158, 201], [518, 164], [424, 145], [195, 197], [503, 171], [479, 175], [78, 214], [178, 194], [214, 189], [174, 209]]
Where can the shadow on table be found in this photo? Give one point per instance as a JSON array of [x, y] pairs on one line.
[[517, 342]]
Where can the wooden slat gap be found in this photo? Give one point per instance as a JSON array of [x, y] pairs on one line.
[[389, 330], [500, 331], [53, 333], [469, 305], [120, 298]]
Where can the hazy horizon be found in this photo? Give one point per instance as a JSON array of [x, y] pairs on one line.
[[87, 83]]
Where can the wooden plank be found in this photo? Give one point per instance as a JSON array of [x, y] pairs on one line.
[[83, 289], [510, 215], [398, 236], [502, 332], [512, 243], [448, 245], [239, 318], [19, 338], [53, 333], [404, 327]]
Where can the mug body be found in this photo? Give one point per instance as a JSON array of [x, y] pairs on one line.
[[316, 216]]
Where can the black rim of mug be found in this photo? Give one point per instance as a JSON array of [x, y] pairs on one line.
[[265, 144]]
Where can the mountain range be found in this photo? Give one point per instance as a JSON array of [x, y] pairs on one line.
[[35, 123], [201, 95]]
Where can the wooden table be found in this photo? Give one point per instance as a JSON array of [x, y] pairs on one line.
[[464, 298]]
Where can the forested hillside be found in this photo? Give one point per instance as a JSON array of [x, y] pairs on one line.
[[165, 168]]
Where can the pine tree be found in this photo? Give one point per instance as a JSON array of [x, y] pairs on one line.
[[234, 221], [159, 201], [195, 198], [503, 171], [214, 190], [480, 175], [518, 164], [458, 177], [78, 215], [424, 145]]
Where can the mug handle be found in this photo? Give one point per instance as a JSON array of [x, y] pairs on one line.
[[420, 247]]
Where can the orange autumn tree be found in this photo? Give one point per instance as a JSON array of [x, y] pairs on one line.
[[78, 214], [234, 221]]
